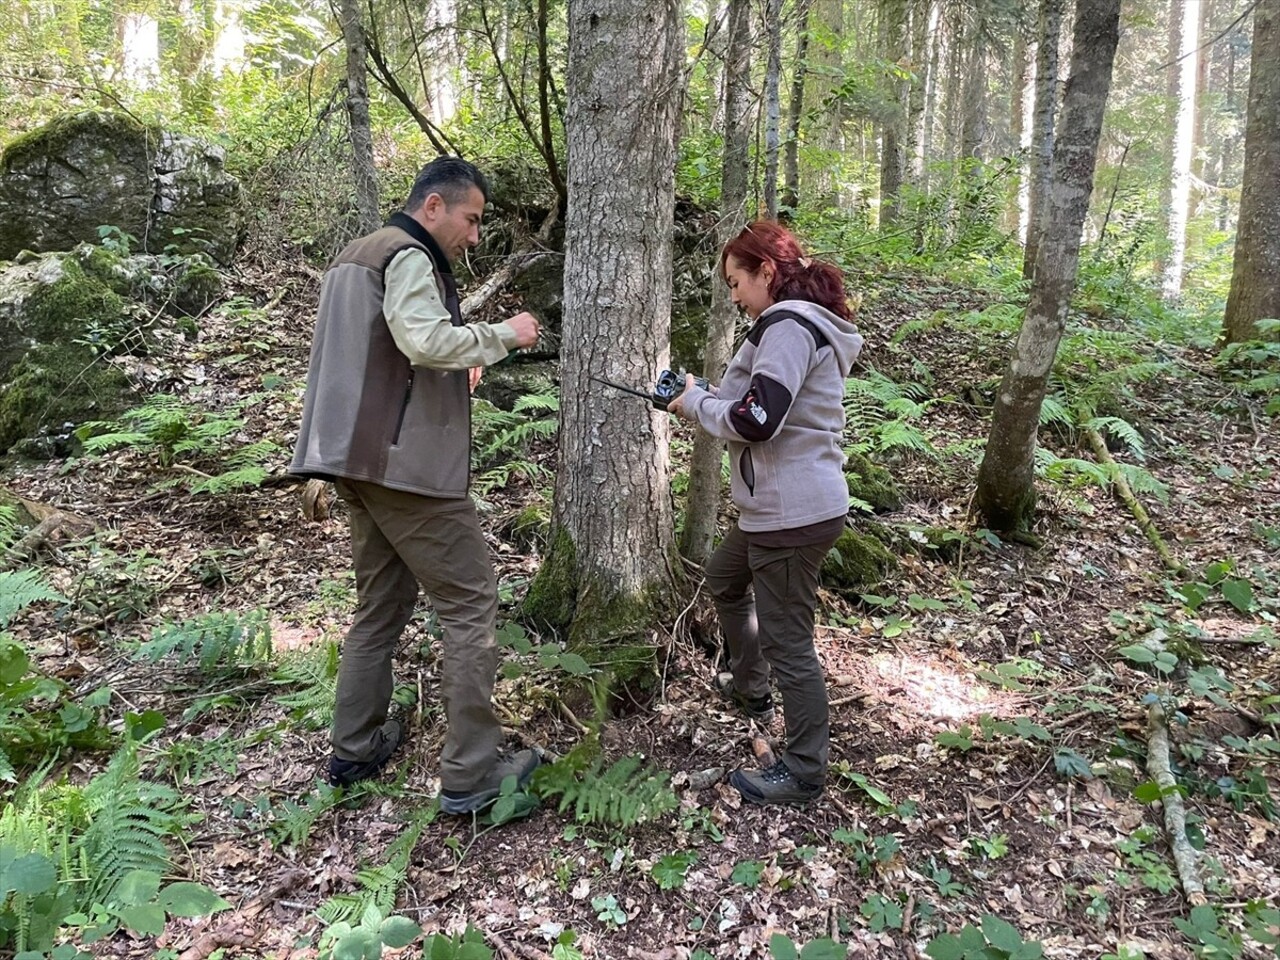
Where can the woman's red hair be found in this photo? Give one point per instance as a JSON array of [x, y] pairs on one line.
[[795, 276]]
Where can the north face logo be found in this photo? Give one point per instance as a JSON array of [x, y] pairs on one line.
[[757, 411]]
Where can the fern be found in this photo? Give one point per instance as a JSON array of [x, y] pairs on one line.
[[212, 641], [621, 796], [18, 590], [1142, 481], [379, 884], [1123, 430], [8, 524], [315, 675], [1054, 410], [127, 821]]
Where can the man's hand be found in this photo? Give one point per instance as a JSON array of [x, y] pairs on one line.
[[473, 378], [527, 329]]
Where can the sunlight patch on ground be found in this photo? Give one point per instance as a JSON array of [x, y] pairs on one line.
[[933, 688]]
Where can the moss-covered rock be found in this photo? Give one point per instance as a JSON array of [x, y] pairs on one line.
[[197, 287], [82, 171], [856, 563], [53, 375], [872, 484]]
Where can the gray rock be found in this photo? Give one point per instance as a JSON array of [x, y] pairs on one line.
[[61, 182]]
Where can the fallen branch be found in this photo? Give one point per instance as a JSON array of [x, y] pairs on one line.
[[52, 523], [1175, 816], [1125, 492], [520, 261]]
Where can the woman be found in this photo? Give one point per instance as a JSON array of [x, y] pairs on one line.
[[779, 407]]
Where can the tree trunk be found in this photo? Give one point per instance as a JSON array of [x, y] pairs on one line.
[[923, 28], [1020, 112], [795, 111], [612, 569], [1255, 273], [1183, 99], [363, 173], [772, 105], [705, 483], [827, 128], [1042, 127], [1006, 488], [893, 39], [930, 94]]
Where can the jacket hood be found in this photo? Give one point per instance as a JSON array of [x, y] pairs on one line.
[[841, 334]]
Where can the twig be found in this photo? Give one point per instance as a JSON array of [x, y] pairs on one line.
[[1175, 816], [1135, 507]]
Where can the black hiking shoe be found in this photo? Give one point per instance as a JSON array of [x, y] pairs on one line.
[[519, 765], [757, 708], [343, 773], [775, 784]]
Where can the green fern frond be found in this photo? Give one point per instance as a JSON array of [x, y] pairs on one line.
[[314, 674], [540, 402], [1122, 430], [919, 325], [896, 434], [214, 642], [8, 524], [18, 590], [241, 478], [1143, 482], [1054, 410], [378, 884], [102, 443], [1056, 469], [621, 796]]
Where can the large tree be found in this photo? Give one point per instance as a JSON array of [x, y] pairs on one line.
[[364, 176], [1042, 124], [612, 568], [705, 481], [1255, 274], [1006, 487]]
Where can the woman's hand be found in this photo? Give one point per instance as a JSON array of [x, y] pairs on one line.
[[676, 406]]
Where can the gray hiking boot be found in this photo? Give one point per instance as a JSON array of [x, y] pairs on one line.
[[757, 708], [775, 784], [343, 773], [519, 765]]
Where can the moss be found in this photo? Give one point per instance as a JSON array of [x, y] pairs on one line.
[[553, 595], [530, 527], [197, 288], [54, 385], [872, 484], [54, 137], [858, 561]]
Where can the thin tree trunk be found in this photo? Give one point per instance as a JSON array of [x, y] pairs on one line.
[[1204, 60], [772, 105], [893, 39], [1179, 197], [363, 172], [1255, 274], [795, 110], [923, 21], [1006, 488], [705, 482], [1018, 131], [1042, 126], [930, 94], [612, 568]]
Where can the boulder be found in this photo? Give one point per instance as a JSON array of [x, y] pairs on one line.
[[160, 190]]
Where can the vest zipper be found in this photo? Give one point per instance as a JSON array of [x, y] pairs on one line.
[[404, 408]]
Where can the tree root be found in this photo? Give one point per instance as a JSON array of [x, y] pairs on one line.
[[52, 523], [1175, 817], [1125, 492]]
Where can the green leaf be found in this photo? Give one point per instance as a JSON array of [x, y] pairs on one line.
[[186, 899], [782, 948], [1001, 933], [359, 944], [473, 950], [144, 919], [1148, 792], [1239, 594], [945, 946], [1069, 764], [30, 875], [137, 887], [397, 932], [573, 664], [1137, 653], [139, 726], [824, 949], [748, 873]]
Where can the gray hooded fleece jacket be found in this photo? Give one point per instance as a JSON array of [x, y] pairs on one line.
[[780, 409]]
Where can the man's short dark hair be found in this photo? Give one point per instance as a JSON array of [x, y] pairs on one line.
[[451, 177]]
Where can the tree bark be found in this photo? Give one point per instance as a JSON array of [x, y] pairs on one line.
[[1042, 127], [705, 482], [795, 111], [612, 568], [772, 103], [1255, 273], [1006, 487], [1183, 38], [923, 28], [893, 38], [363, 173]]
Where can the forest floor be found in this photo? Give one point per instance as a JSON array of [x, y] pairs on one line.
[[987, 736]]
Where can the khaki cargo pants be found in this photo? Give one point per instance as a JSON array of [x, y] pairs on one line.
[[398, 541]]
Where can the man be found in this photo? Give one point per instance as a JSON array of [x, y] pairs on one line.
[[387, 417]]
